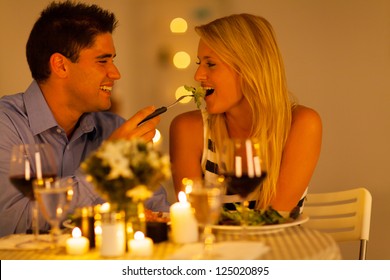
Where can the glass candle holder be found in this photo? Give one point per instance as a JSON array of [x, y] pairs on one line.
[[113, 241]]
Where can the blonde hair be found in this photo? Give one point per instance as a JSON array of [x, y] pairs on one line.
[[247, 43]]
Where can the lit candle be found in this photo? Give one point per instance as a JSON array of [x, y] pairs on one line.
[[183, 223], [238, 166], [257, 162], [141, 246], [39, 165], [77, 244], [249, 156], [98, 235]]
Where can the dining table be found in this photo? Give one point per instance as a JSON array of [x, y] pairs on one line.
[[286, 243]]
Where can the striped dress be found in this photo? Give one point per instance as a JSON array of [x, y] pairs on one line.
[[210, 168]]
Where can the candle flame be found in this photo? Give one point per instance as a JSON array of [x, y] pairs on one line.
[[98, 230], [105, 207], [182, 197], [139, 235], [76, 232]]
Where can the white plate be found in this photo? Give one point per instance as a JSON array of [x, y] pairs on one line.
[[262, 228], [69, 223]]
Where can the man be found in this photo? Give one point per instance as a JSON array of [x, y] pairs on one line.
[[70, 52]]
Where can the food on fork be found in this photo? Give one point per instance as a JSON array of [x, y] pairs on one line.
[[199, 94]]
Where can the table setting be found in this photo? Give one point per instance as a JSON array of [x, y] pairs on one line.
[[197, 226]]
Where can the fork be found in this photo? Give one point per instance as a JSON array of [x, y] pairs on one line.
[[163, 109]]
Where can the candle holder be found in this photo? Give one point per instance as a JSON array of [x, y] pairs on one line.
[[85, 220], [157, 231], [113, 240]]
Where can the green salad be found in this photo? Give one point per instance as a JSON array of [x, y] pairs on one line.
[[199, 94], [255, 217]]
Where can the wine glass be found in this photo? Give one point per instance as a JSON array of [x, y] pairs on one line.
[[29, 162], [242, 168], [206, 202], [54, 196]]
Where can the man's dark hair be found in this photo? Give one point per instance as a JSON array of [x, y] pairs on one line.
[[66, 28]]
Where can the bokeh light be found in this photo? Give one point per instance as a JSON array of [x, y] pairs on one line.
[[157, 137], [181, 60], [178, 25], [180, 91]]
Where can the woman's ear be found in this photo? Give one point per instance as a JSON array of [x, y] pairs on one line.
[[58, 65]]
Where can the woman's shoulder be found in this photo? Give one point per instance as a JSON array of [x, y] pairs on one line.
[[303, 113], [191, 118], [306, 116]]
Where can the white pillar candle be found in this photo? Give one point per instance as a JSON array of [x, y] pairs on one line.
[[184, 227], [77, 244], [38, 165], [249, 157], [141, 246], [238, 167], [113, 242], [98, 235], [257, 163]]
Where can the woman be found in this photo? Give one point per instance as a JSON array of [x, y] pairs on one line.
[[241, 68]]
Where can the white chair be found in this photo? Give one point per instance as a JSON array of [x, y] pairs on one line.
[[345, 215]]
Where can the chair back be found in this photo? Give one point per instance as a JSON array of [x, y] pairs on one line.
[[345, 215]]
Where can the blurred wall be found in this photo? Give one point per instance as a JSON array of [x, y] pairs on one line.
[[337, 57]]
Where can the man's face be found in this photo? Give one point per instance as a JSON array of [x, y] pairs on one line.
[[92, 77]]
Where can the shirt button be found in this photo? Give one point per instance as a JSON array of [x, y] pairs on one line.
[[59, 131]]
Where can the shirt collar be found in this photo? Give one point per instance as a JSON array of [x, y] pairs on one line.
[[40, 115]]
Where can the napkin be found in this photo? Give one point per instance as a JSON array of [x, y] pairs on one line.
[[20, 242], [234, 250]]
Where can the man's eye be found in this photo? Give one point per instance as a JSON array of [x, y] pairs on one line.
[[209, 64], [102, 61]]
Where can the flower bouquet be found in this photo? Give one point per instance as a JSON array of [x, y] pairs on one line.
[[126, 170]]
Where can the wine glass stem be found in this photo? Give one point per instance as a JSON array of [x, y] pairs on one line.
[[244, 224], [208, 240], [35, 219], [55, 233]]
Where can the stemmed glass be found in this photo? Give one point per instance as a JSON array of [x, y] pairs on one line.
[[205, 199], [242, 168], [54, 196], [29, 162]]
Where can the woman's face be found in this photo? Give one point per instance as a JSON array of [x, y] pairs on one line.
[[219, 79]]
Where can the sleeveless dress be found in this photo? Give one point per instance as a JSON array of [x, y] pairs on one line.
[[210, 169]]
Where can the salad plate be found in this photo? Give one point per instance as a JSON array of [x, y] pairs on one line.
[[262, 228]]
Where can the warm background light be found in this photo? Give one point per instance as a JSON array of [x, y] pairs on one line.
[[178, 25], [181, 60], [157, 137], [180, 91]]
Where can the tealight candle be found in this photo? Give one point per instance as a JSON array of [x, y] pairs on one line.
[[77, 244], [184, 226], [141, 246]]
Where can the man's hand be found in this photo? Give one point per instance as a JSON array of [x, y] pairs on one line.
[[130, 128]]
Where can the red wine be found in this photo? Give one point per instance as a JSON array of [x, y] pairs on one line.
[[25, 186], [243, 185]]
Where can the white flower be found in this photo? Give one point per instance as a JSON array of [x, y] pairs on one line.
[[118, 167], [113, 155], [139, 193]]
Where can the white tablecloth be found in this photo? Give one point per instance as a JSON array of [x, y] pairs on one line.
[[291, 243]]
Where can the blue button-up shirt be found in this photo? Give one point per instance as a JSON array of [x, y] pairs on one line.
[[26, 118]]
